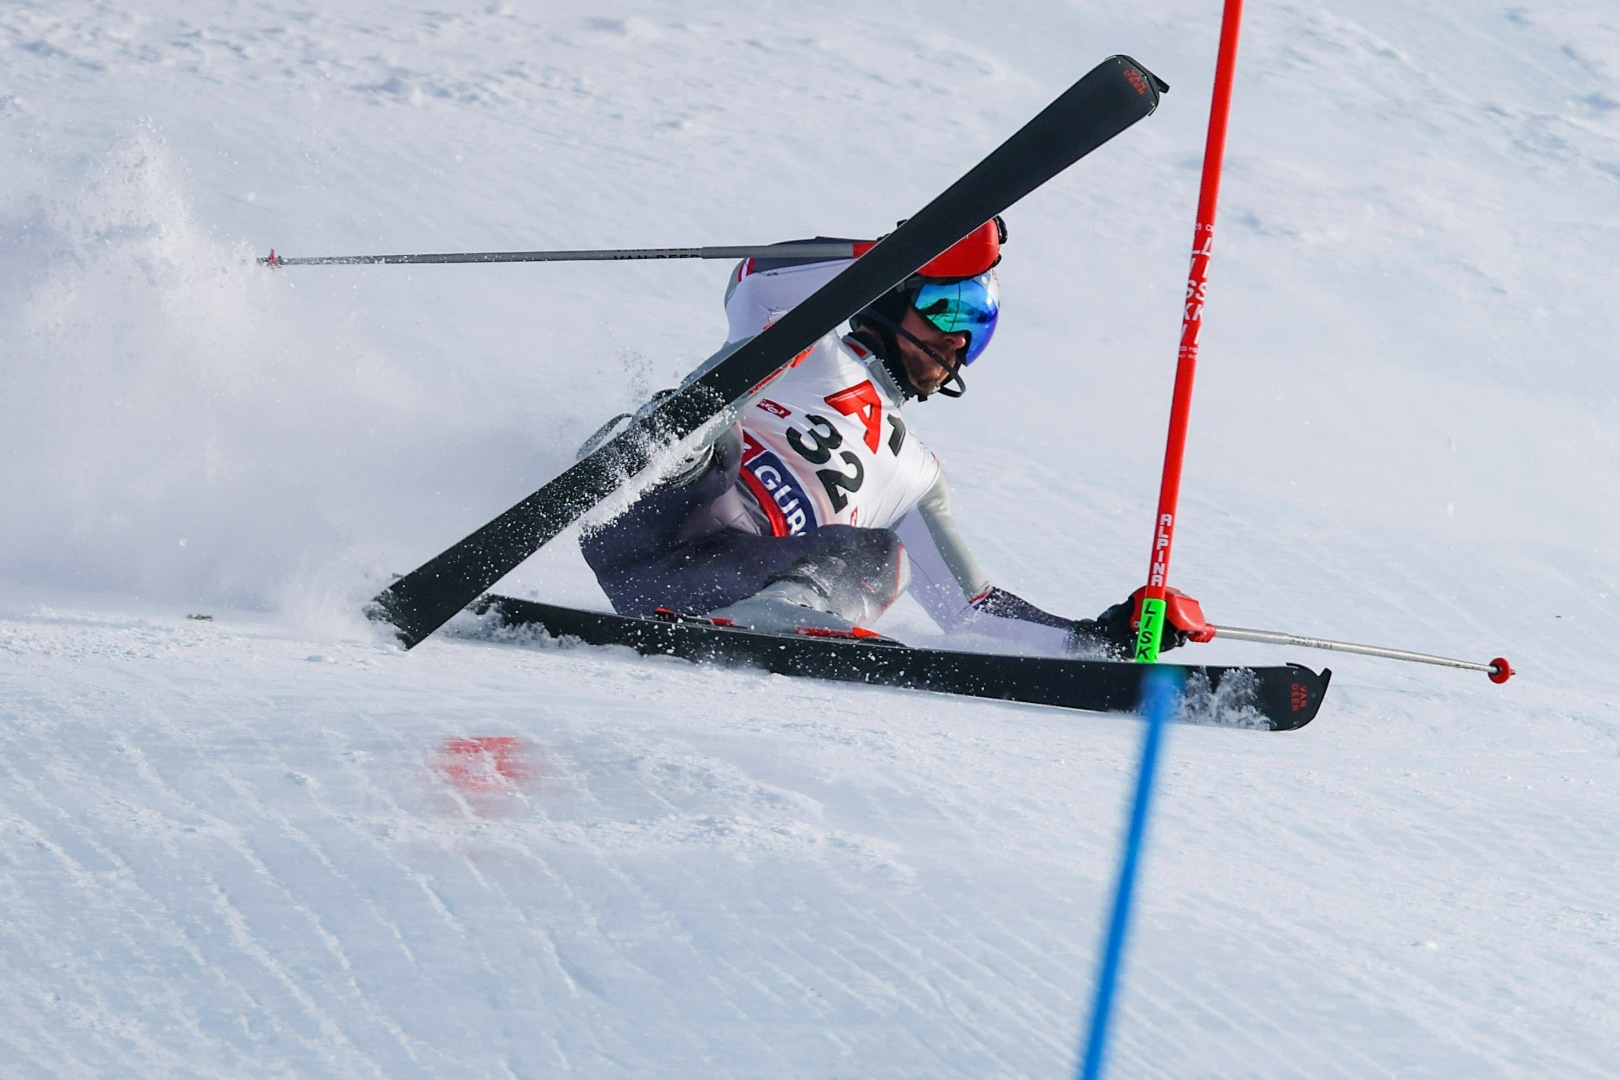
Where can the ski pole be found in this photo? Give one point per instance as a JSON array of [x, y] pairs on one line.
[[814, 249], [1192, 321], [1499, 670]]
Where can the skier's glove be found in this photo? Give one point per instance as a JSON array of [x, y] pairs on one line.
[[1111, 633], [1114, 631]]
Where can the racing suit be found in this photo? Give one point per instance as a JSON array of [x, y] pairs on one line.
[[820, 463]]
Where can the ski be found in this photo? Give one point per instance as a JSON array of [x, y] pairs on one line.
[[1276, 698], [1103, 103]]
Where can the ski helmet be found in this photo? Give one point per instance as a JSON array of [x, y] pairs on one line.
[[956, 291], [978, 251]]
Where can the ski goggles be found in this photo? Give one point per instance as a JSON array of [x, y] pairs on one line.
[[966, 307]]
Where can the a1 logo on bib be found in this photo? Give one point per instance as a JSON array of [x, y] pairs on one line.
[[862, 402]]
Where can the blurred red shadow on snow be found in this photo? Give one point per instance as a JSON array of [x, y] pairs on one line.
[[487, 764]]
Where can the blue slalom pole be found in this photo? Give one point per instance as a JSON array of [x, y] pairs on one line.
[[1161, 693]]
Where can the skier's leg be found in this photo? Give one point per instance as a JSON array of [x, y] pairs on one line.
[[623, 552], [848, 573], [672, 548], [843, 577]]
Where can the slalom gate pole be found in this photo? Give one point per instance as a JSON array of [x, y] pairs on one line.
[[1161, 690], [830, 249], [1192, 321], [1499, 669], [1161, 694]]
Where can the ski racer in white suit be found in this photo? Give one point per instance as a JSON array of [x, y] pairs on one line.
[[820, 507]]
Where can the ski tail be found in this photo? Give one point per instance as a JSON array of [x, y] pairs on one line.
[[1106, 101]]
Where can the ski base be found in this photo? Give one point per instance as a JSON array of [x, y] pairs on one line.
[[1276, 698]]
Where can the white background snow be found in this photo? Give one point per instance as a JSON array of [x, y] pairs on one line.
[[254, 845]]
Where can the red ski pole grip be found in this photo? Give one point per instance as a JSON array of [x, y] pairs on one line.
[[1180, 611]]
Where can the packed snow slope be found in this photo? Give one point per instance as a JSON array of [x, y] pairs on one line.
[[268, 843]]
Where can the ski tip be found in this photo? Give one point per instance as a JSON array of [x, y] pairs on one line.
[[1141, 79], [1500, 670]]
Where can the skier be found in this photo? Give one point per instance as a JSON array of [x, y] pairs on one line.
[[819, 508]]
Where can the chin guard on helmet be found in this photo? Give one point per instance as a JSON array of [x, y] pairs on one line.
[[889, 330]]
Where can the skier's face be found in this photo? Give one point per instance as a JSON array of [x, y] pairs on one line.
[[927, 374]]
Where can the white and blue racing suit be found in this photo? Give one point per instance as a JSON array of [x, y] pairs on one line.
[[820, 461]]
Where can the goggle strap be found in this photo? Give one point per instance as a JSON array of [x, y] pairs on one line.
[[953, 371]]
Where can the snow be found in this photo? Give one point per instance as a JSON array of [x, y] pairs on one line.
[[267, 843]]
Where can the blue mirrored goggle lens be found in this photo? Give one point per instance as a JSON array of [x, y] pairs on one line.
[[963, 307]]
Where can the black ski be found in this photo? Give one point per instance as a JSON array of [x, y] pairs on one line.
[[1281, 698], [1109, 99]]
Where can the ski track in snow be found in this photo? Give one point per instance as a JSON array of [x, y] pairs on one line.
[[267, 844], [729, 872]]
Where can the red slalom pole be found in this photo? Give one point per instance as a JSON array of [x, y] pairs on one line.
[[1192, 321]]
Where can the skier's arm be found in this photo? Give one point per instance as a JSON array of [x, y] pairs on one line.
[[760, 291], [947, 581]]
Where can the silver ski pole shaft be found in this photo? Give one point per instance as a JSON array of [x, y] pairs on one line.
[[815, 249], [1499, 669]]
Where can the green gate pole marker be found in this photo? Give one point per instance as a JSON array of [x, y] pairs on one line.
[[1151, 632]]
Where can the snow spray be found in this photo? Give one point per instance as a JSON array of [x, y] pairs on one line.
[[178, 427]]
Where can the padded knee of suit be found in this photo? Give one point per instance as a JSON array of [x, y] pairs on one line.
[[860, 572]]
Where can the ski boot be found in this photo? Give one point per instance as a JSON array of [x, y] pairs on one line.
[[828, 595]]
